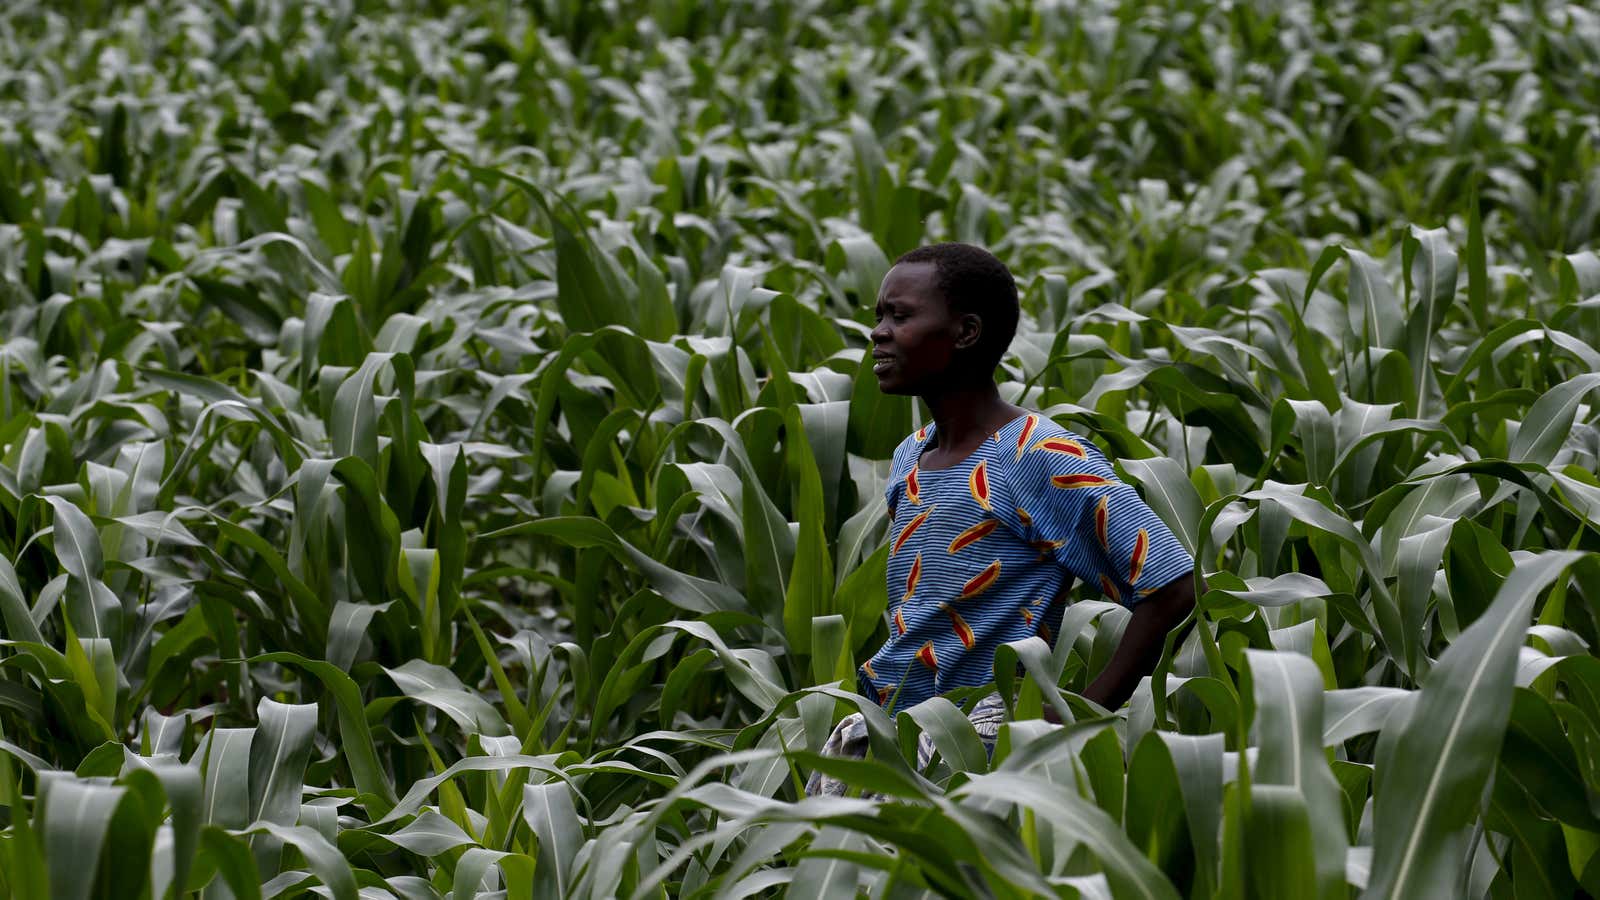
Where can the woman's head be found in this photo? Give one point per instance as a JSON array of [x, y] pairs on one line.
[[946, 314]]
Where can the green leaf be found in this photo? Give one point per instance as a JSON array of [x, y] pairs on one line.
[[278, 756], [439, 688], [1357, 711], [93, 611], [878, 421], [1129, 872], [1149, 817], [1431, 266], [25, 872], [310, 613], [75, 820], [769, 546], [126, 857], [1279, 833], [1429, 781], [823, 875], [686, 591], [1476, 566], [810, 591], [14, 607], [225, 764], [951, 732], [1376, 311], [346, 628], [373, 541], [1288, 699], [421, 789], [1170, 493], [1477, 262], [549, 811], [356, 742], [474, 865], [184, 794], [1192, 766], [94, 670], [1548, 421], [324, 858], [231, 858], [864, 596], [831, 659], [429, 834]]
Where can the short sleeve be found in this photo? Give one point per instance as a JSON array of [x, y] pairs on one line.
[[1068, 503]]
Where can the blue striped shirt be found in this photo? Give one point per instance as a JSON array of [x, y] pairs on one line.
[[980, 550]]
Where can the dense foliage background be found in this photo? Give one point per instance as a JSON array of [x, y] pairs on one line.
[[436, 455]]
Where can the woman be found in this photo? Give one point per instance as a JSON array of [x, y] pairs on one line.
[[995, 509]]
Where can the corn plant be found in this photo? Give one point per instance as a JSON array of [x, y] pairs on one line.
[[438, 456]]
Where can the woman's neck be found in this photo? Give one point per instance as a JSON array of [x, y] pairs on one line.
[[964, 417]]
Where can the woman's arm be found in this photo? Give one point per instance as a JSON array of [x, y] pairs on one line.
[[1142, 642], [1100, 531]]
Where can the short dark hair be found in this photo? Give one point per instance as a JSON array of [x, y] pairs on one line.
[[973, 280]]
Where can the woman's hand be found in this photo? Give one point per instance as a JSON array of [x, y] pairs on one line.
[[1143, 641]]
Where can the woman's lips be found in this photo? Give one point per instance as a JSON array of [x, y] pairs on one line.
[[881, 364]]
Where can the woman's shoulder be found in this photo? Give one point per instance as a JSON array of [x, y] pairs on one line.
[[1047, 427], [1027, 435], [1035, 448]]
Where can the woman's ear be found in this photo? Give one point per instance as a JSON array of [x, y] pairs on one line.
[[969, 330]]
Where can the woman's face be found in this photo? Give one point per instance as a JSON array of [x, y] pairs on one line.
[[918, 337]]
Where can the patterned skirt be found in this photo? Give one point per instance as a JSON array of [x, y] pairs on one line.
[[849, 738]]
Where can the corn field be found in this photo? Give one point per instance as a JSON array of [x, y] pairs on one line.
[[439, 455]]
